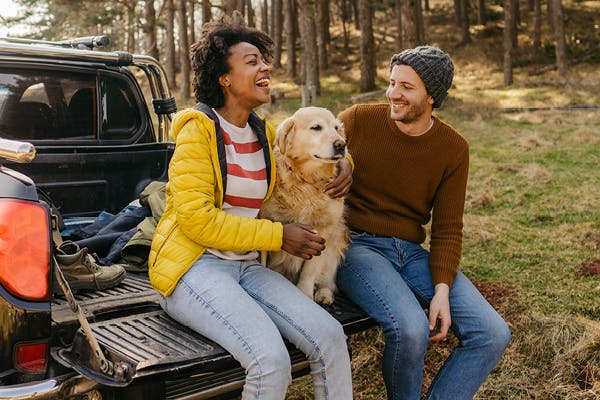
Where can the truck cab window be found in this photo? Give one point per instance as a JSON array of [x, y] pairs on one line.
[[38, 106], [120, 113]]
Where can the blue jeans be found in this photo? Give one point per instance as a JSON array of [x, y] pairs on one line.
[[247, 309], [390, 279]]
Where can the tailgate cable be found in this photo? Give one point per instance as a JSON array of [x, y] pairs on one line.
[[117, 370], [106, 366]]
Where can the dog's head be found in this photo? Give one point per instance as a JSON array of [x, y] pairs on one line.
[[312, 133]]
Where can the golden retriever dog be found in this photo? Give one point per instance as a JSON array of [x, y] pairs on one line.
[[308, 146]]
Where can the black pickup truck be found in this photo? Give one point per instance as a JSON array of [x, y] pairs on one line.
[[89, 130]]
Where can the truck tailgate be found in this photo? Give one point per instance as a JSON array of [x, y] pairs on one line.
[[149, 342]]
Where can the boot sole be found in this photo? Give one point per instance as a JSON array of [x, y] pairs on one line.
[[76, 286]]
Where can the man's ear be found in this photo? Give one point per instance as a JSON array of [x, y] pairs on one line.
[[283, 131], [430, 100]]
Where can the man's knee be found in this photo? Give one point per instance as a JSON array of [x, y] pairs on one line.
[[411, 338], [501, 336]]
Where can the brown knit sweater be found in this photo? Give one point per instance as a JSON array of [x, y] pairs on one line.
[[399, 179]]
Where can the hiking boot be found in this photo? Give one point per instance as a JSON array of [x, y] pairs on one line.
[[81, 271]]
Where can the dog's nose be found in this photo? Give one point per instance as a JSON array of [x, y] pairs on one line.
[[339, 146]]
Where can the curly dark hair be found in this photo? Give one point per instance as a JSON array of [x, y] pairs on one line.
[[209, 55]]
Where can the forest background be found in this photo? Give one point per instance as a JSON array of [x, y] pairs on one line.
[[526, 96]]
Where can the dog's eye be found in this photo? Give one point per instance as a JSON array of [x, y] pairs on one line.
[[316, 127]]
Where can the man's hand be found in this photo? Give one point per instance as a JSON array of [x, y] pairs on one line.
[[340, 185], [302, 241], [439, 313]]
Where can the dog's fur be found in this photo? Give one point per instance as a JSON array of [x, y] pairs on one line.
[[309, 145]]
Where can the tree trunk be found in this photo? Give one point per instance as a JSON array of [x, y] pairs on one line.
[[264, 16], [481, 17], [170, 43], [149, 29], [537, 24], [368, 68], [457, 13], [276, 35], [427, 8], [399, 41], [559, 37], [515, 22], [290, 17], [420, 22], [410, 24], [192, 24], [464, 22], [251, 16], [355, 10], [206, 11], [530, 5], [184, 58], [508, 26], [323, 34], [346, 19], [131, 24], [309, 64]]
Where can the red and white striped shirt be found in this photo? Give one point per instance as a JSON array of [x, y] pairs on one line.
[[246, 178]]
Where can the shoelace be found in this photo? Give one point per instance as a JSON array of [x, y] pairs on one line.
[[88, 263]]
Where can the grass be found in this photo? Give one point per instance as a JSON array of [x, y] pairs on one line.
[[532, 217]]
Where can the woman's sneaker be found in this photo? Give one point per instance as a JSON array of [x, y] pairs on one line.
[[81, 271]]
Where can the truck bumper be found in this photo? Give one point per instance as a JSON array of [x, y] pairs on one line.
[[51, 389]]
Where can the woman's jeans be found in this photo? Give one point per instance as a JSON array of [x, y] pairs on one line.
[[247, 308], [389, 278]]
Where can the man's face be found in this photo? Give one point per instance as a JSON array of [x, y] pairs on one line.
[[407, 96]]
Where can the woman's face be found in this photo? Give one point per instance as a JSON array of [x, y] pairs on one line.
[[247, 82]]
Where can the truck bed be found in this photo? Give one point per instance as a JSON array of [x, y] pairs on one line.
[[131, 327]]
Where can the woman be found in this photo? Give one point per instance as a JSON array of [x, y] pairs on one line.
[[204, 253]]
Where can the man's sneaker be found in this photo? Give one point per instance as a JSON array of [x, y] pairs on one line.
[[81, 271]]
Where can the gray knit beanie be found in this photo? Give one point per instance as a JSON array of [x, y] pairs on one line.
[[433, 65]]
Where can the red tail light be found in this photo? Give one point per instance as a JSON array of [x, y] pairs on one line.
[[24, 249], [31, 357]]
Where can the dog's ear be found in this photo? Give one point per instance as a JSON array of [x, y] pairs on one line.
[[283, 131]]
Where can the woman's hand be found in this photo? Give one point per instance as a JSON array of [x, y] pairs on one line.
[[340, 185], [302, 241]]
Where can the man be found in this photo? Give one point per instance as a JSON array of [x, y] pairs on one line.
[[410, 167]]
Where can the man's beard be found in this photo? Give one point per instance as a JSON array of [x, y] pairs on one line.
[[414, 112]]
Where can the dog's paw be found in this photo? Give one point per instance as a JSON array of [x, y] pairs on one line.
[[324, 296]]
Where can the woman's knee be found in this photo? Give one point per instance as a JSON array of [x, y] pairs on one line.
[[328, 338], [272, 367]]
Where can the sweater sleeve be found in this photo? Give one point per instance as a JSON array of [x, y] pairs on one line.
[[447, 221], [347, 117]]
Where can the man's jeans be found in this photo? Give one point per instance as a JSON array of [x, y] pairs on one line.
[[390, 279], [247, 308]]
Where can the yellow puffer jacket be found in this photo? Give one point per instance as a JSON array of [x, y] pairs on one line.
[[193, 219]]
